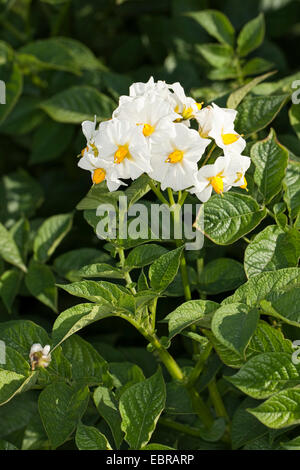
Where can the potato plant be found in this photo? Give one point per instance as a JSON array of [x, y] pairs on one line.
[[115, 334]]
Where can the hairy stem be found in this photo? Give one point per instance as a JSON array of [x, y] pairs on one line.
[[126, 274], [217, 400], [158, 193]]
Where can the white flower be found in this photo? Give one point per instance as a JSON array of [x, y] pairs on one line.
[[187, 107], [174, 160], [151, 114], [151, 87], [211, 177], [90, 132], [227, 171], [236, 169], [100, 170], [124, 151], [218, 123], [39, 356]]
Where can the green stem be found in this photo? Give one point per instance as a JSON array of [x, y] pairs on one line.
[[217, 400], [126, 274], [158, 193], [182, 197], [183, 265], [173, 368], [170, 363], [153, 313], [193, 377], [239, 71], [185, 278], [171, 197], [169, 423], [208, 155]]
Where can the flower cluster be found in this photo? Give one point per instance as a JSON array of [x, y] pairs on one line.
[[150, 132], [39, 356]]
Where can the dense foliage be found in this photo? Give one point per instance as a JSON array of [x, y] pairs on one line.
[[171, 348]]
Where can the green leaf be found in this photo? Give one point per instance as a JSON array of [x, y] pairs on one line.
[[82, 55], [245, 427], [259, 286], [78, 104], [251, 36], [50, 234], [228, 218], [9, 287], [221, 275], [20, 232], [294, 444], [137, 189], [9, 250], [4, 445], [75, 318], [51, 54], [267, 339], [164, 269], [140, 408], [266, 374], [216, 24], [12, 383], [234, 325], [103, 292], [257, 65], [20, 195], [294, 115], [270, 159], [237, 96], [100, 270], [22, 334], [61, 408], [284, 304], [224, 73], [272, 249], [217, 55], [107, 407], [88, 367], [153, 446], [61, 54], [40, 282], [257, 112], [11, 75], [292, 188], [15, 362], [68, 264], [189, 313], [99, 194], [280, 410], [89, 438], [50, 141], [143, 255], [24, 117]]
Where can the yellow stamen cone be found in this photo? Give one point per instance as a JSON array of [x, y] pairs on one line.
[[217, 184], [245, 184], [148, 130], [121, 153], [99, 175], [175, 157]]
